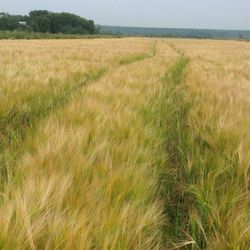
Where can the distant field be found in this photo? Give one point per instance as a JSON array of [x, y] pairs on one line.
[[129, 143], [180, 33]]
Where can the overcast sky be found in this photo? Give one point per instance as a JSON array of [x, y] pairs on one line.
[[216, 14]]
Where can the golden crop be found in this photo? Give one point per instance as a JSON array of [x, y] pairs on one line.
[[129, 143]]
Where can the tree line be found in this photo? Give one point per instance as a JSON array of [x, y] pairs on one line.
[[48, 22]]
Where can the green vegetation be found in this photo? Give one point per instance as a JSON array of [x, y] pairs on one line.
[[177, 146], [132, 58], [44, 21], [139, 56], [18, 34], [172, 121]]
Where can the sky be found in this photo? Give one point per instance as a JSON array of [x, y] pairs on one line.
[[204, 14]]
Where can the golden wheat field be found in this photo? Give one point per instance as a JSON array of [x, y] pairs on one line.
[[132, 143]]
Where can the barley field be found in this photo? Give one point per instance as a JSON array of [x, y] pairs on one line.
[[130, 143]]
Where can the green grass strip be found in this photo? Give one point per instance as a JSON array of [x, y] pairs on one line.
[[172, 111], [139, 56], [133, 58], [177, 108]]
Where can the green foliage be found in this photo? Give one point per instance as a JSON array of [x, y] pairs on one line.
[[8, 22], [48, 22], [25, 34], [43, 24]]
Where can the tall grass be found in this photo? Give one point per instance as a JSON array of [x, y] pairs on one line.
[[208, 162], [88, 174], [140, 159], [17, 120]]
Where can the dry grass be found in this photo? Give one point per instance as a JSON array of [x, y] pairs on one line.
[[99, 150]]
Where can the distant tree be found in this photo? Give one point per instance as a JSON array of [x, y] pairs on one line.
[[91, 27], [43, 24], [8, 22], [38, 13], [70, 24], [45, 21], [3, 14]]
